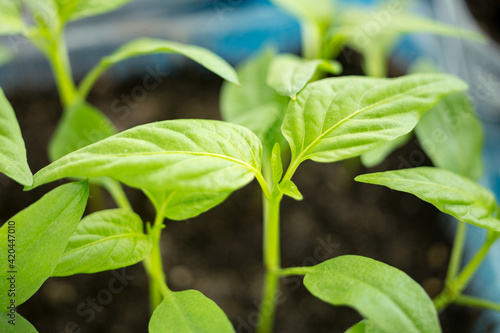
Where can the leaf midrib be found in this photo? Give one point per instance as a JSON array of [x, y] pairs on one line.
[[303, 155], [451, 189], [371, 287]]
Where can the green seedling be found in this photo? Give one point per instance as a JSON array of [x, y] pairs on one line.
[[189, 166], [281, 117]]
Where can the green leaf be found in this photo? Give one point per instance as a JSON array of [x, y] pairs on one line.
[[364, 29], [104, 240], [384, 295], [70, 10], [81, 125], [146, 46], [288, 74], [451, 193], [11, 21], [20, 324], [338, 118], [205, 156], [13, 161], [182, 205], [255, 105], [189, 312], [322, 12], [378, 155], [289, 188], [452, 136], [364, 326], [41, 233], [276, 164]]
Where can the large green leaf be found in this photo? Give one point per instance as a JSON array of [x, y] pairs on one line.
[[182, 205], [104, 240], [384, 295], [146, 46], [11, 22], [20, 324], [338, 118], [189, 155], [288, 74], [189, 312], [452, 136], [255, 104], [80, 126], [13, 160], [451, 193], [41, 233], [76, 9]]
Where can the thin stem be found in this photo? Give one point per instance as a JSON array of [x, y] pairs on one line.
[[158, 288], [456, 252], [116, 191], [454, 287], [272, 262], [477, 302], [59, 61], [294, 271], [89, 80]]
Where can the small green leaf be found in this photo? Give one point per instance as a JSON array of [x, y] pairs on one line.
[[364, 326], [11, 21], [20, 324], [255, 105], [289, 188], [13, 161], [378, 155], [146, 46], [182, 205], [338, 118], [189, 312], [276, 164], [41, 233], [70, 10], [81, 125], [104, 240], [384, 295], [451, 193], [205, 156], [452, 136], [288, 74]]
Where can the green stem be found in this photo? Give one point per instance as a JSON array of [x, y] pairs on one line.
[[454, 288], [294, 271], [158, 288], [272, 262], [456, 252], [477, 302], [116, 191], [59, 61]]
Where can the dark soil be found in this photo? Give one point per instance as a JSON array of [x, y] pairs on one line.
[[220, 253]]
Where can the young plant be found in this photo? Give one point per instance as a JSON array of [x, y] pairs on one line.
[[188, 166], [43, 24]]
